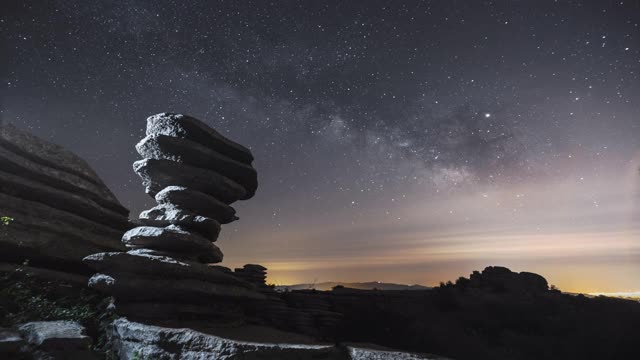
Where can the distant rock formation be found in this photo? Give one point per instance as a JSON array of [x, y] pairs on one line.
[[500, 278], [60, 209], [371, 285]]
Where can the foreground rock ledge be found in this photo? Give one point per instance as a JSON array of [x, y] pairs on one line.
[[131, 340]]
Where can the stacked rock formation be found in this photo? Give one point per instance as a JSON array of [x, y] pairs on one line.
[[255, 274], [60, 209], [498, 278], [194, 174]]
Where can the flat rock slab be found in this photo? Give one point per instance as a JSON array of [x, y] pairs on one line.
[[170, 214], [141, 263], [371, 354], [183, 126], [158, 174], [133, 340], [55, 335], [197, 202], [160, 288], [189, 152], [172, 238]]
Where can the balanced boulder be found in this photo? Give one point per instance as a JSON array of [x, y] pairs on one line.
[[194, 174]]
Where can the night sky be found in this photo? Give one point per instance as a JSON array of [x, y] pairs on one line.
[[401, 141]]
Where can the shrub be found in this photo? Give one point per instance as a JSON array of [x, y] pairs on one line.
[[5, 220]]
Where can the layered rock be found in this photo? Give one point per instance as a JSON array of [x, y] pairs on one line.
[[132, 340], [254, 274], [61, 210], [194, 174], [55, 340]]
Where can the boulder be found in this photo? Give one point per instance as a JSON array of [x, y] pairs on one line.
[[158, 174], [55, 335], [183, 126], [197, 202], [189, 152]]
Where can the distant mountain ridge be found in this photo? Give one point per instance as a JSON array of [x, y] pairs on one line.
[[371, 285]]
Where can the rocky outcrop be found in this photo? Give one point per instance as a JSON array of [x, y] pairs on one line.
[[61, 210], [52, 340], [133, 340], [194, 174], [498, 278]]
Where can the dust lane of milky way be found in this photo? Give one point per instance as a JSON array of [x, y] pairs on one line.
[[409, 142]]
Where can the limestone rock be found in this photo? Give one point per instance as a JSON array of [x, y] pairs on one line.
[[172, 238], [136, 262], [498, 278], [155, 342], [358, 353], [193, 173], [158, 174], [255, 274], [168, 214], [55, 335], [62, 211], [186, 151], [136, 287], [183, 126], [55, 161], [197, 203]]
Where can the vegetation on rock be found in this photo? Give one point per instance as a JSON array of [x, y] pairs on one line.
[[25, 298], [5, 220]]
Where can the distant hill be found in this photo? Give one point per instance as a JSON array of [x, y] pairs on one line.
[[326, 286]]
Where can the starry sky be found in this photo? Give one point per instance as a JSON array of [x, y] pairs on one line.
[[404, 141]]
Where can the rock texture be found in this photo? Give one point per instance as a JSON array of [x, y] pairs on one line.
[[53, 340], [194, 174], [61, 210], [133, 340]]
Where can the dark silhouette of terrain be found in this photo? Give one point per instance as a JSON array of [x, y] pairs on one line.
[[495, 314], [371, 285]]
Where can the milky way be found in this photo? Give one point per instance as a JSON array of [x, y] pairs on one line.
[[400, 141]]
